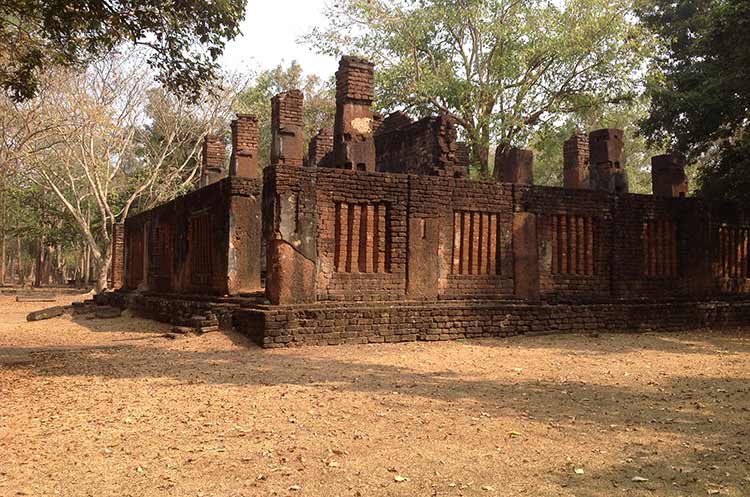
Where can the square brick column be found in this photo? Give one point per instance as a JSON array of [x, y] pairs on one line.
[[607, 171], [514, 165], [576, 161], [320, 150], [353, 135], [244, 159], [213, 160], [668, 178], [286, 129]]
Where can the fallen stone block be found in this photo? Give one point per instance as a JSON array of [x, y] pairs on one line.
[[107, 312], [49, 313], [182, 330], [40, 297], [206, 329]]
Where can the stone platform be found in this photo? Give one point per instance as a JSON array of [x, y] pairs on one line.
[[333, 323]]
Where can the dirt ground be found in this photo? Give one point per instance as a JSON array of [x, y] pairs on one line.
[[111, 408]]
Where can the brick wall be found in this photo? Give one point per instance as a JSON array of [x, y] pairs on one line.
[[360, 323], [426, 147], [376, 236], [184, 246]]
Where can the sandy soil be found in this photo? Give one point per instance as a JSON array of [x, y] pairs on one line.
[[110, 408]]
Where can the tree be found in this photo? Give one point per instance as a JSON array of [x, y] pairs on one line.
[[184, 38], [113, 139], [547, 143], [320, 102], [700, 89], [500, 68]]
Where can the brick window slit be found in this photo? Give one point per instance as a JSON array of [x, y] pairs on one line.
[[160, 263], [362, 235], [199, 239], [734, 243], [572, 244], [476, 243], [135, 247], [659, 247]]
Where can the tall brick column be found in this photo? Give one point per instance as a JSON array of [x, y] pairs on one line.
[[213, 160], [668, 178], [244, 159], [576, 161], [514, 165], [353, 136], [117, 269], [607, 172], [320, 150], [286, 129]]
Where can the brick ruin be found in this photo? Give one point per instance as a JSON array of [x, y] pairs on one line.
[[213, 153], [606, 155], [320, 149], [287, 142], [576, 161], [514, 165], [668, 178], [354, 129], [381, 236]]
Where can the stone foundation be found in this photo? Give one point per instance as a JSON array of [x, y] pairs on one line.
[[334, 323]]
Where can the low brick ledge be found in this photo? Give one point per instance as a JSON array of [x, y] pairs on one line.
[[333, 323]]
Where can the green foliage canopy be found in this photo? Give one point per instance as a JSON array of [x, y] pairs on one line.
[[185, 37], [700, 89], [500, 68]]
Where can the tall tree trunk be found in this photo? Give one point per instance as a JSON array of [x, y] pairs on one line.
[[39, 264], [3, 254], [19, 260], [480, 149], [102, 269]]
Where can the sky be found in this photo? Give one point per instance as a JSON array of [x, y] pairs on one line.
[[269, 37]]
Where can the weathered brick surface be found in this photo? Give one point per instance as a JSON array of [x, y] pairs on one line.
[[607, 170], [589, 244], [214, 154], [117, 269], [286, 128], [244, 159], [359, 323], [320, 149], [668, 178], [354, 126], [576, 161], [514, 165], [184, 245], [426, 147]]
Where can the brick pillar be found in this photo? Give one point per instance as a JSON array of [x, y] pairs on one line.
[[607, 170], [525, 256], [515, 165], [286, 129], [576, 161], [117, 270], [668, 178], [353, 140], [244, 159], [463, 160], [320, 150], [213, 160]]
